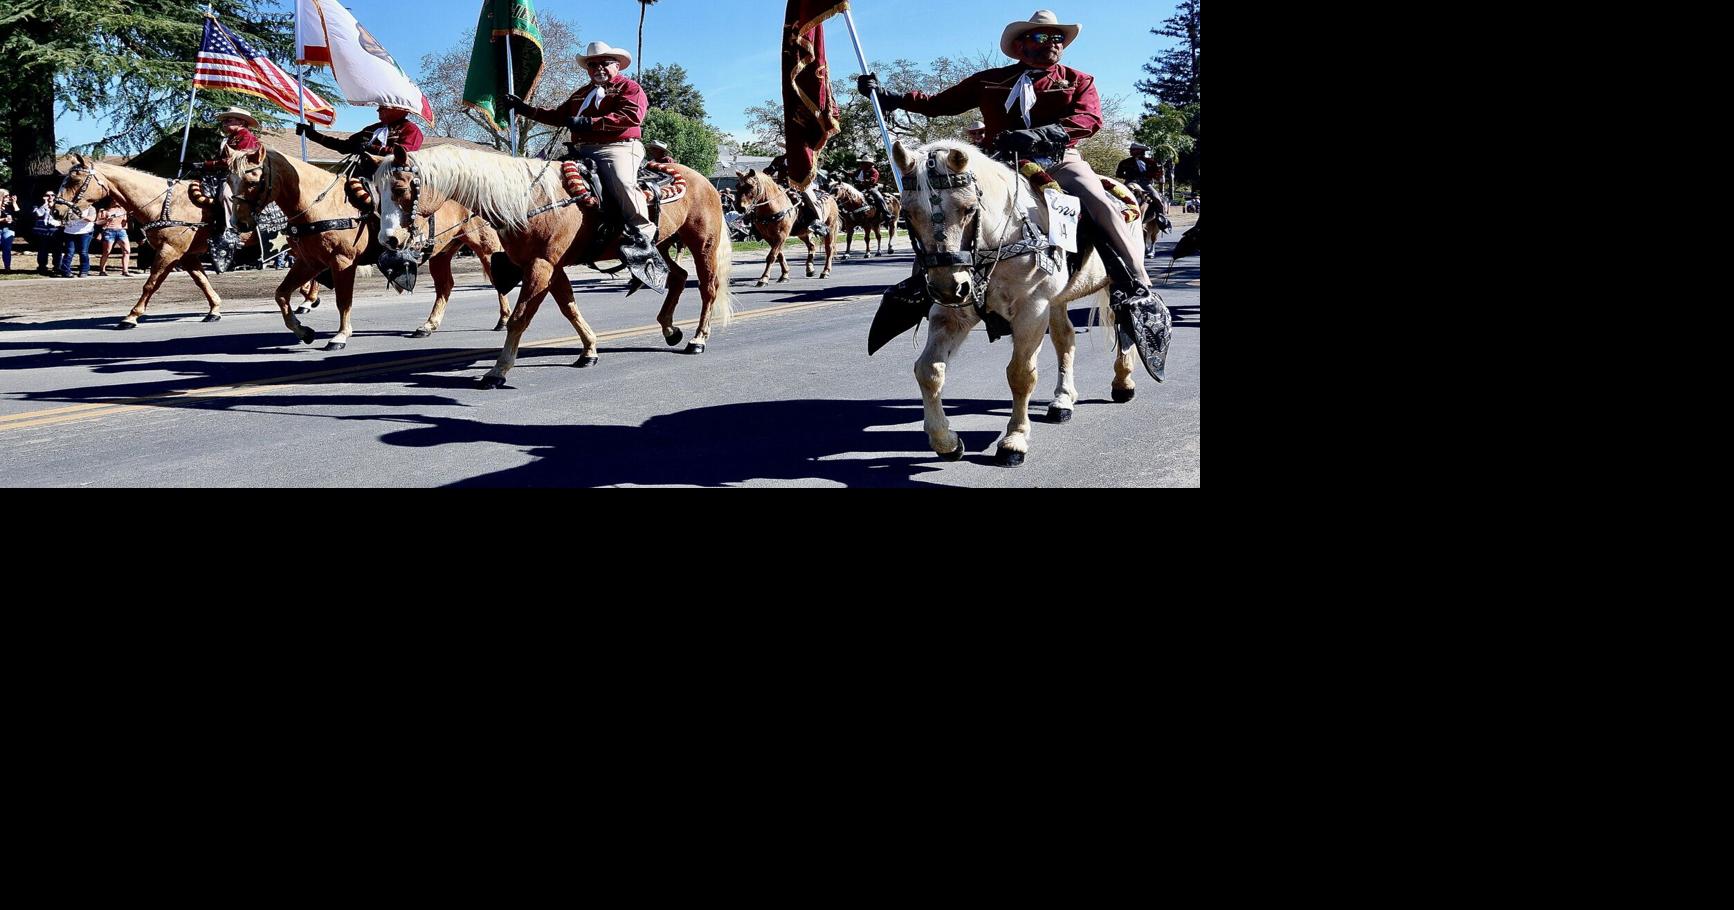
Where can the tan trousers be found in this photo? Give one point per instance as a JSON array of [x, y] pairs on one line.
[[617, 166], [1077, 179]]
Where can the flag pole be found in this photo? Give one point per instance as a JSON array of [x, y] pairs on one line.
[[884, 132], [511, 89], [210, 13], [301, 81]]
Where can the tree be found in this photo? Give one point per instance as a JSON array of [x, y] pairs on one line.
[[1176, 70], [442, 81], [126, 62], [643, 7], [692, 143], [667, 88], [1165, 133]]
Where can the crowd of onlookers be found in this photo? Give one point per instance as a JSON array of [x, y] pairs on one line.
[[61, 233]]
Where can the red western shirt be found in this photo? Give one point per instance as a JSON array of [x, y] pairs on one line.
[[616, 116], [866, 174], [404, 133], [1064, 96]]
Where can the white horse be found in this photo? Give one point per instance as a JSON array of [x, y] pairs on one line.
[[982, 215]]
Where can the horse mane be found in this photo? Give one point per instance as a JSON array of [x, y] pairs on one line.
[[497, 187], [850, 196]]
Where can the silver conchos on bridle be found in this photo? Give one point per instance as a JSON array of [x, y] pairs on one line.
[[980, 263]]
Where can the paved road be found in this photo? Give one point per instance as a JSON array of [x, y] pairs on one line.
[[784, 397]]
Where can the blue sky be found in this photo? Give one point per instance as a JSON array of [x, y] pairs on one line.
[[730, 47]]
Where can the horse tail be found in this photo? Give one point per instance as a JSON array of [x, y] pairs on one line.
[[723, 308]]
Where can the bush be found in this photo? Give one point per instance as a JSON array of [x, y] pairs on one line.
[[692, 143]]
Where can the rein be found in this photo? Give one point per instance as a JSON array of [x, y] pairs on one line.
[[1033, 242]]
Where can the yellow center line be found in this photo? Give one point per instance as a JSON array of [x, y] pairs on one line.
[[96, 410]]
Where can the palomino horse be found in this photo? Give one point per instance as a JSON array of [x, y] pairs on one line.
[[857, 212], [544, 229], [436, 240], [772, 214], [177, 229], [984, 243]]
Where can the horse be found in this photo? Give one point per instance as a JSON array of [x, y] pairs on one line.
[[777, 216], [543, 228], [1155, 217], [177, 229], [856, 212], [991, 265]]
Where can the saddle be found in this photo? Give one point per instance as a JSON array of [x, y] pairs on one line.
[[660, 183]]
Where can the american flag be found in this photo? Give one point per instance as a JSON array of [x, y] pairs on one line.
[[226, 62]]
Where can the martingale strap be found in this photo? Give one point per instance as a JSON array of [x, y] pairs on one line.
[[165, 221], [320, 227], [773, 219], [573, 200]]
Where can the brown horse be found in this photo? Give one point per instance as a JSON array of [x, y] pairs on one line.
[[177, 229], [452, 228], [772, 215], [310, 198], [857, 212], [544, 228]]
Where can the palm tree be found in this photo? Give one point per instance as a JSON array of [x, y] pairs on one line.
[[643, 7]]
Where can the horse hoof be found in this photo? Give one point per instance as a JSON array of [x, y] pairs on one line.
[[302, 309], [491, 381], [694, 348], [500, 326], [124, 325], [420, 333], [582, 362], [336, 345], [760, 283], [782, 279], [675, 338], [1059, 415], [306, 336], [1121, 396], [1006, 458], [214, 317], [953, 456]]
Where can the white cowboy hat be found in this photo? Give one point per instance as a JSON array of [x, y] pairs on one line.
[[977, 126], [235, 112], [1042, 18], [601, 49]]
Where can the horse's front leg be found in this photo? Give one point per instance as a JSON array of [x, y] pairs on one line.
[[1065, 339], [561, 288], [808, 240], [166, 261], [1020, 374], [441, 268], [344, 278], [488, 273], [298, 275], [770, 259], [947, 330], [535, 287]]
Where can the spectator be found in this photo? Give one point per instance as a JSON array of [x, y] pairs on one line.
[[113, 232], [46, 232], [8, 211], [79, 226]]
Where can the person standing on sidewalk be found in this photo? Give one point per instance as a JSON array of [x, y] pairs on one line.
[[113, 232], [8, 213], [80, 224], [46, 237]]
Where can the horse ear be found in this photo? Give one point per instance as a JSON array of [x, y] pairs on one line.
[[400, 156], [959, 160], [256, 156], [82, 161], [740, 175], [377, 161], [905, 161]]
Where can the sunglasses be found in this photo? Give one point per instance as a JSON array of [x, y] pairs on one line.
[[1045, 38]]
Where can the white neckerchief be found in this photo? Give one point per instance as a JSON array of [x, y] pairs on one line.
[[594, 97], [1023, 94]]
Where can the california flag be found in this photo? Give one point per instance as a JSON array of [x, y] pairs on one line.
[[326, 34]]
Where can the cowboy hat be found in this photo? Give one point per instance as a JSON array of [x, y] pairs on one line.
[[1140, 147], [658, 146], [977, 126], [241, 115], [601, 49], [1041, 19]]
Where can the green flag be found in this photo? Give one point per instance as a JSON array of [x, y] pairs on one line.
[[485, 84]]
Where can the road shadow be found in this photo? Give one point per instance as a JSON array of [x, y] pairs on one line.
[[725, 445]]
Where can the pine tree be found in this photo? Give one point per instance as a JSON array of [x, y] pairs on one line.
[[1176, 70]]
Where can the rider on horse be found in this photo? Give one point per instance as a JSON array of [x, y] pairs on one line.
[[607, 118], [394, 128], [1038, 110], [807, 199], [236, 138], [865, 177], [1140, 170]]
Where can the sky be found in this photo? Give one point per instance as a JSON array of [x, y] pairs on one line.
[[731, 50]]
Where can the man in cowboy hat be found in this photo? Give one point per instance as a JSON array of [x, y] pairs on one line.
[[807, 199], [394, 128], [657, 152], [865, 177], [1039, 110], [1140, 170], [607, 119], [237, 126], [978, 136]]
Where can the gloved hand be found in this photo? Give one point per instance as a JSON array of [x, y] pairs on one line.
[[197, 167], [510, 103], [306, 129], [1041, 142], [580, 124], [869, 85]]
